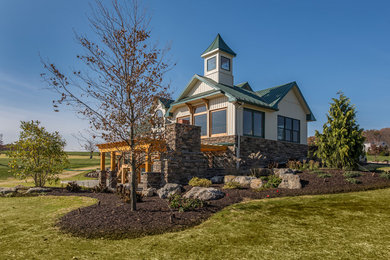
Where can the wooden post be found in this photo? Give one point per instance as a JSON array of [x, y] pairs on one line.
[[102, 161], [112, 166]]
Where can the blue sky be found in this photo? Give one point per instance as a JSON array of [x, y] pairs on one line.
[[325, 46]]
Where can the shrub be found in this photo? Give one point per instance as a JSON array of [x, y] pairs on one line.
[[182, 204], [324, 175], [199, 182], [73, 187], [232, 185], [353, 180], [273, 182], [352, 174], [385, 175]]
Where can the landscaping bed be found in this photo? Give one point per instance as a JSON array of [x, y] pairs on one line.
[[112, 218]]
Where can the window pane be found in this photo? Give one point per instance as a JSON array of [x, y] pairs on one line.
[[248, 122], [296, 137], [211, 63], [200, 109], [257, 124], [280, 121], [184, 120], [280, 134], [288, 123], [218, 125], [225, 63], [296, 125], [201, 121], [288, 135]]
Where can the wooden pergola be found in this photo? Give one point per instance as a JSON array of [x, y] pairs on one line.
[[123, 146]]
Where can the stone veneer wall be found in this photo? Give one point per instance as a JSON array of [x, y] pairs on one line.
[[151, 180], [183, 159], [273, 151]]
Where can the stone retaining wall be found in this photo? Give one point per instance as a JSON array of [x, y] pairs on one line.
[[151, 180]]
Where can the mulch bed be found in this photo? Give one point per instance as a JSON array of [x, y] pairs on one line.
[[112, 218]]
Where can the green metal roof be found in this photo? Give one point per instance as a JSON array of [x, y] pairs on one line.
[[267, 98], [166, 101], [219, 43]]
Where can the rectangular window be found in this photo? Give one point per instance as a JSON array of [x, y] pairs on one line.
[[225, 63], [218, 122], [201, 120], [211, 63], [288, 129], [253, 123]]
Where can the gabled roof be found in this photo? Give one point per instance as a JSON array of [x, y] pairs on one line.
[[274, 95], [220, 44], [267, 98], [245, 85], [166, 102]]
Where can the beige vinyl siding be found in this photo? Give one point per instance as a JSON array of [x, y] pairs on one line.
[[218, 103], [199, 88], [180, 112]]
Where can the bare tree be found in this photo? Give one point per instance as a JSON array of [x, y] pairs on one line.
[[123, 76], [87, 142]]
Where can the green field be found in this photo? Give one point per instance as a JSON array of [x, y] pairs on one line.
[[378, 158], [338, 226], [76, 160]]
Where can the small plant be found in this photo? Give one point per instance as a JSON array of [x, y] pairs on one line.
[[385, 174], [313, 165], [73, 187], [273, 182], [182, 204], [352, 174], [232, 185], [273, 164], [260, 172], [353, 180], [199, 182], [324, 175]]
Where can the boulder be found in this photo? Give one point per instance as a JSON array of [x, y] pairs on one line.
[[4, 191], [204, 194], [256, 183], [228, 178], [283, 171], [290, 181], [20, 187], [149, 192], [217, 179], [38, 190], [169, 189], [244, 180]]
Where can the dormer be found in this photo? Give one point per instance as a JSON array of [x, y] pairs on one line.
[[218, 62]]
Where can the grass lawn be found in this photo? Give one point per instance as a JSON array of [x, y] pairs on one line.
[[379, 158], [338, 226]]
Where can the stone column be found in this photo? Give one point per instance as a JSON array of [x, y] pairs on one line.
[[102, 174]]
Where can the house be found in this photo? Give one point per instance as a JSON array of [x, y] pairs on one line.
[[272, 121]]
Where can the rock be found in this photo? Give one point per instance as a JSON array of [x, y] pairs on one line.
[[149, 192], [217, 179], [204, 194], [4, 191], [38, 190], [256, 183], [290, 181], [244, 180], [169, 189], [283, 171], [228, 178]]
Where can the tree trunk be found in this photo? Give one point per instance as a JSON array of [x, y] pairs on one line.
[[133, 184], [90, 155]]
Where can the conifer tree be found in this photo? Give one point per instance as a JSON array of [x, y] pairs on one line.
[[341, 143]]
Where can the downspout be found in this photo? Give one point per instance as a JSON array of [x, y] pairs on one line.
[[238, 146]]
